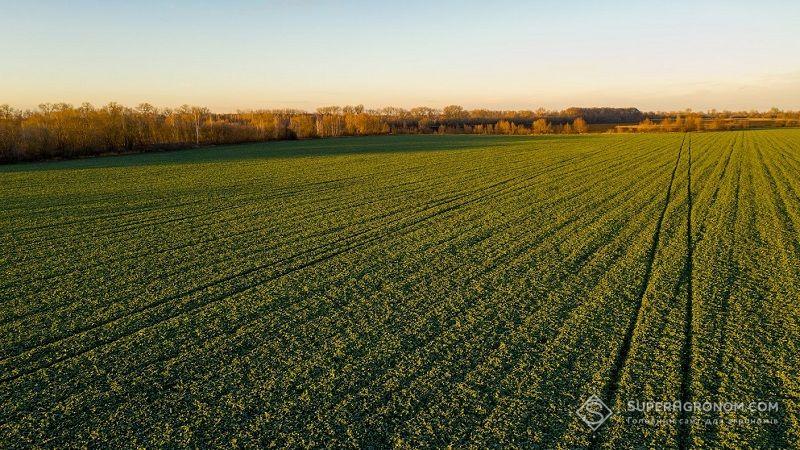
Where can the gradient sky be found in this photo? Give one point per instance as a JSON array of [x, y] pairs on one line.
[[303, 54]]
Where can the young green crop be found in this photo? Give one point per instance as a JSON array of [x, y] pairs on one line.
[[402, 291]]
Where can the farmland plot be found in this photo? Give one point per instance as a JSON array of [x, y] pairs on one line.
[[403, 291]]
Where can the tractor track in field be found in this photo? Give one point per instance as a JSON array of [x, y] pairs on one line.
[[612, 387]]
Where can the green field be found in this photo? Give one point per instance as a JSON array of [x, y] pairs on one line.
[[406, 291]]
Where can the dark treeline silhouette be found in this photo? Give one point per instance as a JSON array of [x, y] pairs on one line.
[[606, 115], [64, 131]]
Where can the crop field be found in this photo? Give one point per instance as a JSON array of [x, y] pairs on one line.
[[405, 291]]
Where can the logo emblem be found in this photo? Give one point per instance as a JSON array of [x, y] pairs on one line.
[[594, 412]]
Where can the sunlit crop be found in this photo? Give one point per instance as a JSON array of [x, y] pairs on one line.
[[407, 291]]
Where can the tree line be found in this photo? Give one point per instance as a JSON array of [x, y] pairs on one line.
[[64, 131], [666, 122]]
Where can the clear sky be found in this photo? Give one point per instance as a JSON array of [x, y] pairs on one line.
[[496, 54]]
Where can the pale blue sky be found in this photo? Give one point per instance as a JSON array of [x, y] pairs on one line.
[[304, 54]]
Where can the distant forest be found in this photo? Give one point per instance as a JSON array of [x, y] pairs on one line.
[[64, 131]]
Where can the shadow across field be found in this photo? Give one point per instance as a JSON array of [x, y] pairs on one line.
[[288, 149]]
